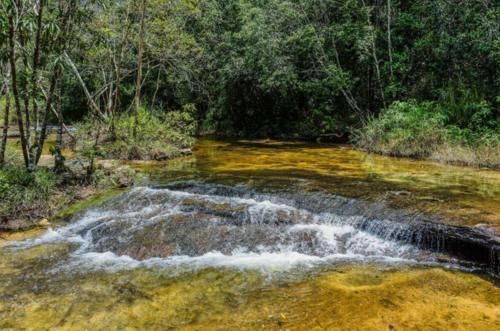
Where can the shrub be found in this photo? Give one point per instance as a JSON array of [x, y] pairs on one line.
[[22, 192], [157, 137], [427, 130], [404, 129]]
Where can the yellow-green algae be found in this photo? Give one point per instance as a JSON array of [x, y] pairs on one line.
[[6, 237], [350, 298], [91, 201]]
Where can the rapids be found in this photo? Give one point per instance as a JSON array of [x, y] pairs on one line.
[[166, 228], [265, 235]]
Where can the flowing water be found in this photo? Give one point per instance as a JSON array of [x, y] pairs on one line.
[[267, 235]]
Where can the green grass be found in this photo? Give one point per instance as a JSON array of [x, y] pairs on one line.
[[424, 130]]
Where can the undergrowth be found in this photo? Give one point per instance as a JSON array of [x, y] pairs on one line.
[[158, 137], [425, 130]]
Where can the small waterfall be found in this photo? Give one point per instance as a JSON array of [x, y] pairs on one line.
[[200, 224], [464, 243]]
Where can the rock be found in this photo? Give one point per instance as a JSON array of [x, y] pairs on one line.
[[399, 193], [185, 152], [387, 303], [429, 198], [123, 177], [105, 164], [488, 229], [44, 222], [160, 157], [13, 225]]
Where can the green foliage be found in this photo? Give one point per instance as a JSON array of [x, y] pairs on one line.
[[426, 130], [283, 68], [19, 188], [405, 129], [158, 136], [273, 68]]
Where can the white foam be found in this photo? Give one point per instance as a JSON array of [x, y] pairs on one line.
[[265, 261], [334, 241]]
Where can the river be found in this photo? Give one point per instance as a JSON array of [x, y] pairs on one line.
[[268, 235]]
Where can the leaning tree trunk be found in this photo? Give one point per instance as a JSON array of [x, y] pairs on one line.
[[5, 131], [42, 134], [59, 166], [15, 92], [60, 45], [36, 62]]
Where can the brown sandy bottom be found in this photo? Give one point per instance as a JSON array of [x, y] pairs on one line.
[[348, 298]]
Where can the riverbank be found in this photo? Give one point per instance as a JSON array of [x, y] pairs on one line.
[[425, 131], [30, 200], [465, 156], [91, 162]]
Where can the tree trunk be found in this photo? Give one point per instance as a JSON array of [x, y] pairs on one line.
[[15, 92], [5, 131], [156, 89], [59, 166], [25, 95], [138, 81], [374, 54], [42, 135], [389, 38], [93, 105], [36, 61]]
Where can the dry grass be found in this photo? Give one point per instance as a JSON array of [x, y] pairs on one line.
[[481, 156]]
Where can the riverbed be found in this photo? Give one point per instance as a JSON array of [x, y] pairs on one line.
[[268, 235]]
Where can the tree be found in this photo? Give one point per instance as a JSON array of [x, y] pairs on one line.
[[4, 94], [138, 80], [39, 32]]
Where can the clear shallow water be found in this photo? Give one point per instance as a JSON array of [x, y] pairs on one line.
[[253, 236], [459, 195]]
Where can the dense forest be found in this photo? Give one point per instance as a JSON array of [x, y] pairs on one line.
[[249, 165], [137, 79], [251, 67]]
